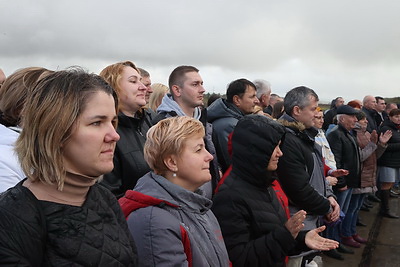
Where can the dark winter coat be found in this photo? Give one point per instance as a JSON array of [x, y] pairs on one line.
[[347, 156], [129, 163], [371, 115], [391, 156], [42, 233], [224, 117], [250, 215], [296, 167]]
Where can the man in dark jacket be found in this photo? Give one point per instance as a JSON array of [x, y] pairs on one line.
[[300, 170], [185, 99], [345, 148], [369, 105], [224, 114]]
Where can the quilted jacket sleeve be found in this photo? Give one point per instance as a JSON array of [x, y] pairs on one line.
[[22, 233]]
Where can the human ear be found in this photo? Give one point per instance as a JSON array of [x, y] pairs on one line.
[[170, 162]]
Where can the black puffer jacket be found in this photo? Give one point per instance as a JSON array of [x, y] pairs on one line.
[[296, 167], [42, 233], [129, 163], [250, 215], [347, 156], [391, 156]]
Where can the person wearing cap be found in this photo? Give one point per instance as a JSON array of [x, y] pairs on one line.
[[344, 146]]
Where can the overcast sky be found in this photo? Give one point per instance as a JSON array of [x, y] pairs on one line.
[[338, 48]]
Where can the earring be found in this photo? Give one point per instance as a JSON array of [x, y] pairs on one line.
[[174, 174]]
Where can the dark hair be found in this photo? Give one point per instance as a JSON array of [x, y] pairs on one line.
[[177, 76], [238, 87], [298, 96], [212, 98], [377, 98], [361, 115], [394, 112], [277, 111]]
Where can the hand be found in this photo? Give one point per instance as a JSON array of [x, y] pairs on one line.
[[295, 223], [315, 241], [342, 189], [339, 172], [385, 137], [374, 137], [334, 215], [331, 180]]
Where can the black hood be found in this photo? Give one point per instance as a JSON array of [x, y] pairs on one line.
[[254, 139]]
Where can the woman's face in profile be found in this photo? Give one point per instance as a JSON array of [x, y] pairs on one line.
[[133, 91], [90, 149], [193, 164], [273, 161]]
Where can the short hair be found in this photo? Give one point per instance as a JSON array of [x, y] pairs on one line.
[[354, 104], [168, 137], [212, 98], [238, 87], [14, 91], [112, 74], [159, 90], [49, 118], [361, 115], [299, 96], [262, 87], [143, 72], [178, 75], [277, 111], [377, 98], [394, 112]]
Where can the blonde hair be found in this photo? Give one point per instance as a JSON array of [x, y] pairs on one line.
[[167, 138], [112, 74], [15, 89], [49, 118], [159, 90]]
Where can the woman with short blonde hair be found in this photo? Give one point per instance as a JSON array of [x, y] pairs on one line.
[[168, 215]]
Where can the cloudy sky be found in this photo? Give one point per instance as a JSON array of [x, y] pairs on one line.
[[338, 48]]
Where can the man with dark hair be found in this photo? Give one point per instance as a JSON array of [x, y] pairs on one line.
[[301, 169], [380, 110], [146, 82], [224, 114], [185, 99], [331, 113]]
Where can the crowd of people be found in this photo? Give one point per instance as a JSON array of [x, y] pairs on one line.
[[112, 170]]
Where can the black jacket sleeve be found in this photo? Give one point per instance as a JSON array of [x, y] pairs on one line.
[[243, 249], [22, 230], [294, 177]]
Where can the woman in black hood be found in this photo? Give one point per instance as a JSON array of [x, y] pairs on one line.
[[253, 222]]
